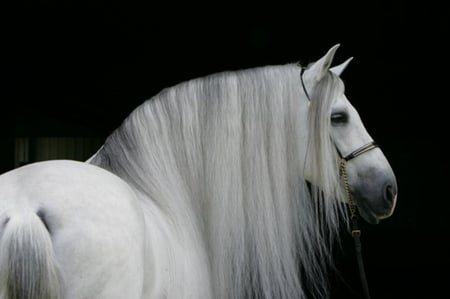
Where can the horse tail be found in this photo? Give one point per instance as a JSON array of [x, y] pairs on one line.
[[28, 267]]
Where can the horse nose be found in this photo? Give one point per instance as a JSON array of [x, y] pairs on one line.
[[390, 194]]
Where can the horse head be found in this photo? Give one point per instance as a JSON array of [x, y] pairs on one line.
[[372, 183]]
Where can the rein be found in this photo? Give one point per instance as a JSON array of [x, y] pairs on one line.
[[355, 230]]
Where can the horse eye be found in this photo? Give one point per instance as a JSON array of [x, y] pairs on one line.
[[339, 118]]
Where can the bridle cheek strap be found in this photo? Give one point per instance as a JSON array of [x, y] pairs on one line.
[[343, 172]]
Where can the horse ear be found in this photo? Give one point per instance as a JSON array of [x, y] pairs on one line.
[[340, 68], [318, 69]]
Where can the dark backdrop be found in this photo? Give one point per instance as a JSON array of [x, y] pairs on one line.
[[79, 70]]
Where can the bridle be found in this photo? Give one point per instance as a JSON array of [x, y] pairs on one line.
[[355, 231]]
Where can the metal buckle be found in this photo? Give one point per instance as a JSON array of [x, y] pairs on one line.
[[356, 233]]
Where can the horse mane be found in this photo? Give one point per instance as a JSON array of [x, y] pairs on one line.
[[227, 158]]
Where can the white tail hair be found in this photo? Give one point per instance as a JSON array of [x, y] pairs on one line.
[[28, 268], [224, 157]]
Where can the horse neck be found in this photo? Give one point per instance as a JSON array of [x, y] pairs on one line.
[[177, 132], [223, 157]]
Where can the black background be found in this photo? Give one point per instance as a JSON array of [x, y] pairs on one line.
[[73, 69]]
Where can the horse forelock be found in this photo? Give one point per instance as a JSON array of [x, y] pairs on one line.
[[223, 156], [322, 152]]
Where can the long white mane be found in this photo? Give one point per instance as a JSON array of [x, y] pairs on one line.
[[227, 158]]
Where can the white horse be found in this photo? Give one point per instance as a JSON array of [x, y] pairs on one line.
[[226, 186]]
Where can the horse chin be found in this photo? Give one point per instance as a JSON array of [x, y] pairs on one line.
[[368, 216]]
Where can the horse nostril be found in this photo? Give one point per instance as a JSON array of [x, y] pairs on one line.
[[389, 194]]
